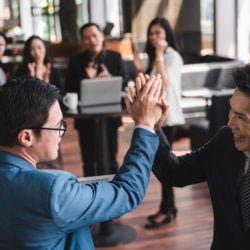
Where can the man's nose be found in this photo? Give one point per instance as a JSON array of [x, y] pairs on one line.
[[230, 122]]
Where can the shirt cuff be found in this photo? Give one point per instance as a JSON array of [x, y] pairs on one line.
[[145, 127]]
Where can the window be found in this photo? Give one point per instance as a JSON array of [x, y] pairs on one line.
[[82, 12], [46, 23], [10, 17], [207, 26]]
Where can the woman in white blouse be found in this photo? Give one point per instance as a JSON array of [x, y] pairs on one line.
[[164, 59]]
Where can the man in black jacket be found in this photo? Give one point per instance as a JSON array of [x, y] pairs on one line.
[[94, 62], [223, 163]]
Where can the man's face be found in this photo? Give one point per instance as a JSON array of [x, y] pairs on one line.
[[239, 120], [45, 146], [93, 39]]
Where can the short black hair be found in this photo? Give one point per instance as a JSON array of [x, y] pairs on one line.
[[24, 103], [86, 25], [242, 79]]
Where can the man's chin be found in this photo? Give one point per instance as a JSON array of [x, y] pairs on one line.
[[241, 146]]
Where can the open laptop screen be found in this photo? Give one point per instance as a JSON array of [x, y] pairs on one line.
[[100, 91]]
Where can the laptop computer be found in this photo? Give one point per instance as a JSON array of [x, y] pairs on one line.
[[100, 95], [100, 91]]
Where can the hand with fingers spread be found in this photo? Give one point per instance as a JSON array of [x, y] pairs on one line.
[[135, 92], [146, 107]]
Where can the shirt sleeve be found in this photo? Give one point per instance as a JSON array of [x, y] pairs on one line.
[[74, 204]]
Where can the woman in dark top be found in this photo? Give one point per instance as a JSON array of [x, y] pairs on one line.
[[36, 62]]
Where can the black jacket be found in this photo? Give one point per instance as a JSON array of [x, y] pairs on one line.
[[76, 72], [220, 164], [77, 64]]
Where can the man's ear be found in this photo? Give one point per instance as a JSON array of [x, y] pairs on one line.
[[25, 137]]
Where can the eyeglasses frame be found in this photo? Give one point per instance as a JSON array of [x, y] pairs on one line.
[[64, 124]]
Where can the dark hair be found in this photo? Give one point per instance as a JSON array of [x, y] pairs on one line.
[[242, 79], [86, 25], [24, 103], [170, 38], [27, 57], [4, 37]]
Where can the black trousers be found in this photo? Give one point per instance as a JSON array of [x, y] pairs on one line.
[[88, 140], [167, 194]]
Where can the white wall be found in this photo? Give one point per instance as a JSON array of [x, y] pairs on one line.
[[103, 11], [225, 28], [232, 28], [26, 18], [97, 12], [243, 24]]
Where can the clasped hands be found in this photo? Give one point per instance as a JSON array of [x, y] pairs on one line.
[[39, 70], [92, 71], [146, 102]]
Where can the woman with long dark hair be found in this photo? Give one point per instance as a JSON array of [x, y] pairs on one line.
[[164, 59], [36, 62]]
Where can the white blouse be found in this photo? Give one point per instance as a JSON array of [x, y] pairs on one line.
[[173, 63]]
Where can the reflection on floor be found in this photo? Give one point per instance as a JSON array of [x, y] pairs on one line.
[[193, 227]]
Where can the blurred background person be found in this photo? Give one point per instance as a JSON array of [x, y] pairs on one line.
[[36, 63], [3, 44], [164, 59], [94, 62]]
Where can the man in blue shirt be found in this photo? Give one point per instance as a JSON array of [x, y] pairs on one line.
[[50, 209]]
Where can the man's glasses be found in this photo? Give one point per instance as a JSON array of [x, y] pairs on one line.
[[62, 129]]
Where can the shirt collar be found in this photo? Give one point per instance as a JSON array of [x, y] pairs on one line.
[[15, 160], [247, 153]]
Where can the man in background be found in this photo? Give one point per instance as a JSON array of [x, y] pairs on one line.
[[94, 62]]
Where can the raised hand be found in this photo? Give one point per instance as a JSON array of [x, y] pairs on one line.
[[160, 47], [146, 108], [140, 83]]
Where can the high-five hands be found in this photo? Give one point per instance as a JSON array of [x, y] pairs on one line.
[[145, 103]]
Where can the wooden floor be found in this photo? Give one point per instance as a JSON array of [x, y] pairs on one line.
[[193, 226]]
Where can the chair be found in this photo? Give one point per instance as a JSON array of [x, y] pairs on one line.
[[217, 116]]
